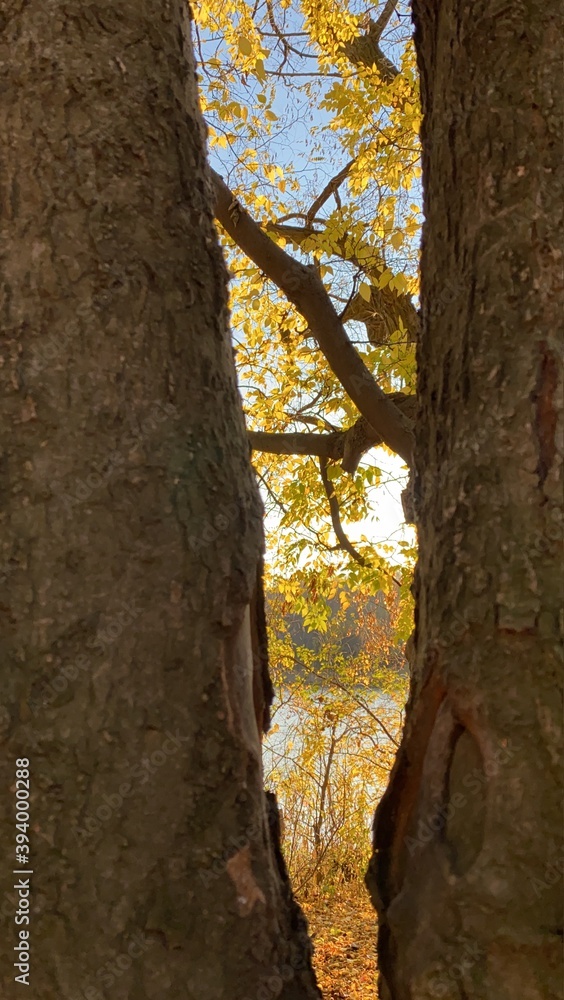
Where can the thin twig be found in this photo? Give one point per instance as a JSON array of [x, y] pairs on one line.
[[344, 542]]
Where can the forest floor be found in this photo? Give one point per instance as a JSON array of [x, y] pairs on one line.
[[343, 927]]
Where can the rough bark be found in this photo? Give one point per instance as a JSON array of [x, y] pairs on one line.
[[131, 534], [467, 869]]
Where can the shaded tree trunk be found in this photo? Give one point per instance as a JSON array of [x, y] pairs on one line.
[[134, 677], [468, 859]]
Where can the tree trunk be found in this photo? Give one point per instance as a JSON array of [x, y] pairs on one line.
[[468, 859], [134, 678]]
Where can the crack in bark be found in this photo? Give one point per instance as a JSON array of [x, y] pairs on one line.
[[546, 415]]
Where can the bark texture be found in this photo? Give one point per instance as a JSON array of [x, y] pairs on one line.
[[134, 675], [468, 858]]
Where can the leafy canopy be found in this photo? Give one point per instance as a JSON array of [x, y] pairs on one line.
[[313, 117]]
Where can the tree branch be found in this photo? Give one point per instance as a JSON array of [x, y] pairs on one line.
[[383, 19], [330, 188], [299, 443], [342, 539], [380, 315], [365, 49], [304, 288], [346, 446], [360, 701]]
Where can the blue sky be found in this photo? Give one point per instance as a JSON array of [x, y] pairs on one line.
[[291, 147]]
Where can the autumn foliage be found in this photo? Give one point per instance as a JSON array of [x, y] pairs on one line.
[[313, 120]]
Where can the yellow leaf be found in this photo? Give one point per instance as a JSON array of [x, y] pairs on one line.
[[399, 284], [365, 291], [245, 46]]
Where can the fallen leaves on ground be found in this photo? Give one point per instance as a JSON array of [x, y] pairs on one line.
[[343, 927]]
